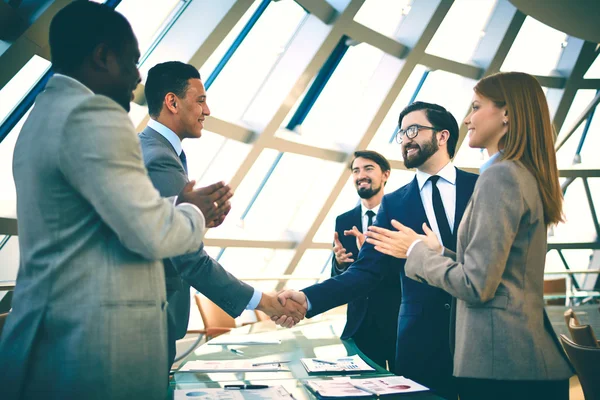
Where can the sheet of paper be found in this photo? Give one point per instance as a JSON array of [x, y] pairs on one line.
[[388, 385], [343, 364], [335, 388], [229, 366], [247, 340], [271, 393]]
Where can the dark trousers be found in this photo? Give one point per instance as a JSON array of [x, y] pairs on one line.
[[490, 389]]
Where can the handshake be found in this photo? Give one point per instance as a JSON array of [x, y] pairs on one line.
[[286, 308]]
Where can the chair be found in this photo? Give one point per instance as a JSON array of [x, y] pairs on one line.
[[586, 361], [555, 291], [216, 321], [571, 314], [583, 335]]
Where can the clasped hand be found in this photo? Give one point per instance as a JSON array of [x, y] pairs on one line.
[[284, 313], [212, 200], [397, 243]]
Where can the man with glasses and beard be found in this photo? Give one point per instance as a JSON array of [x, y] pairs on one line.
[[437, 196], [368, 319]]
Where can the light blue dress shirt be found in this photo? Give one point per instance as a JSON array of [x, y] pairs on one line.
[[176, 143], [490, 162]]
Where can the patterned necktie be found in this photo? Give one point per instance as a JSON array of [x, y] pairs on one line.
[[183, 159]]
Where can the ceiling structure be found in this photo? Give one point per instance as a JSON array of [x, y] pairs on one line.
[[295, 87]]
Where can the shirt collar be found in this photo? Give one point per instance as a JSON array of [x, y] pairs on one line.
[[167, 134], [73, 80], [448, 173], [363, 209], [491, 161]]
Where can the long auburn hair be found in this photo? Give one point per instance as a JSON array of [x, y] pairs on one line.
[[530, 135]]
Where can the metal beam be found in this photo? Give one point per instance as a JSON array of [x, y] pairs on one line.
[[466, 70], [574, 246], [320, 9], [8, 226], [231, 130], [367, 35], [579, 120], [286, 146]]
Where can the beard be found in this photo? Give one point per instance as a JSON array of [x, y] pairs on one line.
[[367, 193], [423, 154]]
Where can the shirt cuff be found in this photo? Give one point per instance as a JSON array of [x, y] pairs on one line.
[[412, 245], [308, 305], [254, 300], [195, 207]]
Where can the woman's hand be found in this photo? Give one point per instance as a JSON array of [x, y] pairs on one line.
[[396, 243]]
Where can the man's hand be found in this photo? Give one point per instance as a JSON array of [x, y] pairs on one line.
[[289, 313], [212, 200], [360, 237], [342, 258], [287, 298]]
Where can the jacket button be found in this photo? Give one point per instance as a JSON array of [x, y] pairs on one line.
[[447, 306]]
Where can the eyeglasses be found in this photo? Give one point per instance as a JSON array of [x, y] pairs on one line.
[[412, 131]]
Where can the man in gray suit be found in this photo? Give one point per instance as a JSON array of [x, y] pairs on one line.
[[177, 106], [89, 308]]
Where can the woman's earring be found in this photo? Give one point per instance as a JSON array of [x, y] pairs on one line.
[[505, 122]]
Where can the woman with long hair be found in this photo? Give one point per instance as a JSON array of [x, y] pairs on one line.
[[505, 346]]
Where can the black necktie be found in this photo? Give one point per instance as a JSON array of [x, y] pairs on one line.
[[370, 215], [448, 239], [183, 161]]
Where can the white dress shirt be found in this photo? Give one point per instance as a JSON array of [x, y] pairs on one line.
[[447, 187], [176, 143], [365, 217]]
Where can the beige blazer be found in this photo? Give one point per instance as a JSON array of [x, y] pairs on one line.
[[497, 276], [89, 308]]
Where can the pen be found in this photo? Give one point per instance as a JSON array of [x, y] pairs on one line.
[[242, 387], [269, 363], [324, 361], [236, 351]]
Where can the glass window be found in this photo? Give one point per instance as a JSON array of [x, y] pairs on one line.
[[9, 259], [566, 153], [578, 226], [457, 40], [383, 16], [209, 66], [17, 88], [283, 211], [536, 49], [589, 151], [8, 194], [314, 262], [341, 113], [241, 261], [243, 75], [147, 24], [381, 141], [594, 71]]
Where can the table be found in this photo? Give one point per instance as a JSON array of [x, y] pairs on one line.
[[311, 338]]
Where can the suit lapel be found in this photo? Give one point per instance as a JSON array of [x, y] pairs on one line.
[[149, 132], [416, 214], [357, 217]]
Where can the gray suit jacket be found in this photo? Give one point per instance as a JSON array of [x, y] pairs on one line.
[[197, 269], [89, 308], [497, 276]]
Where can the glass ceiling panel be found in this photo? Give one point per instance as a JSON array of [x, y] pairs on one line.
[[589, 151], [243, 75], [383, 16], [147, 24], [15, 90], [565, 154], [337, 119], [594, 71], [8, 194], [536, 49], [457, 40]]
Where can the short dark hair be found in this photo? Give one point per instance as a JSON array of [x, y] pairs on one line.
[[78, 28], [374, 156], [168, 77], [439, 118]]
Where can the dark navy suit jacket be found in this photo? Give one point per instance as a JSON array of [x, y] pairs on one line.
[[372, 317], [422, 349]]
